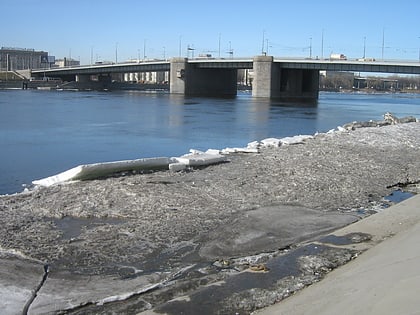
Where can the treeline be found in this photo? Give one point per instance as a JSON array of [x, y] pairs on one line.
[[347, 81]]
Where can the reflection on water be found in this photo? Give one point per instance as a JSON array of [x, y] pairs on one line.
[[46, 132]]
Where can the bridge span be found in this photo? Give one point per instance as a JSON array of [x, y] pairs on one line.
[[284, 78]]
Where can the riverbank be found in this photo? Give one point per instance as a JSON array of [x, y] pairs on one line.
[[383, 280], [149, 238]]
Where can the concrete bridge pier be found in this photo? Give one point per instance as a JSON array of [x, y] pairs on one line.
[[82, 78], [273, 81], [190, 79], [177, 77], [266, 77], [84, 81]]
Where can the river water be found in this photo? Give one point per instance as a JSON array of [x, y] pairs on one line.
[[46, 132]]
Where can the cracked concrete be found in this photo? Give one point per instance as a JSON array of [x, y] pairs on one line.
[[384, 280], [19, 279]]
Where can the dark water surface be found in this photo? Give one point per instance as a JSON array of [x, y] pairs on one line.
[[46, 132]]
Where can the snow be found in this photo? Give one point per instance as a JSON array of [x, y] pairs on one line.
[[199, 158], [96, 170], [193, 159]]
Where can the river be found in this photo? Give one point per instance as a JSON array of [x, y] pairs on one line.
[[46, 132]]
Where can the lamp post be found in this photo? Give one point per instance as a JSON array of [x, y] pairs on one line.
[[91, 55], [419, 49], [383, 42], [220, 39], [310, 47], [263, 42], [116, 52], [364, 47]]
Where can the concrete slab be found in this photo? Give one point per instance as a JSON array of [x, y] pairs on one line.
[[270, 228], [19, 278], [383, 280]]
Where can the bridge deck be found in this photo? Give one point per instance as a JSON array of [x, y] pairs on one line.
[[240, 63]]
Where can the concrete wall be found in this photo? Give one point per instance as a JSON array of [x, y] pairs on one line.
[[273, 81], [177, 75], [263, 73]]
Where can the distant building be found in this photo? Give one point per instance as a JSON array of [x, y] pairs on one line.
[[147, 77], [66, 62], [12, 59]]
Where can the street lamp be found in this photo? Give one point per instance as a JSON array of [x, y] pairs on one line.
[[419, 50], [383, 42], [91, 55], [220, 38], [310, 47], [230, 52], [364, 47], [263, 42]]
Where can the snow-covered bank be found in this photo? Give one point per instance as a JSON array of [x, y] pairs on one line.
[[98, 170], [196, 158]]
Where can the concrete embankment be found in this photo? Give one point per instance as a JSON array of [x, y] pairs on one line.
[[384, 280]]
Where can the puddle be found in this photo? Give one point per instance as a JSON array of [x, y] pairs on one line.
[[229, 297], [352, 238], [72, 227], [398, 195]]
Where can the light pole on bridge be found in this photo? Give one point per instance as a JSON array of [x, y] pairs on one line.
[[364, 47], [383, 43], [91, 55], [310, 47]]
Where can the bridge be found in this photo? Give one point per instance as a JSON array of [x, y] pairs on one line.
[[283, 78]]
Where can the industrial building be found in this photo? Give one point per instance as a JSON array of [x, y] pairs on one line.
[[12, 59]]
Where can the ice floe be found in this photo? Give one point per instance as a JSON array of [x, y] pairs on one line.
[[98, 170], [195, 158], [199, 158]]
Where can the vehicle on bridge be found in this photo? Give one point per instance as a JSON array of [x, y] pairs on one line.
[[366, 59], [338, 57]]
